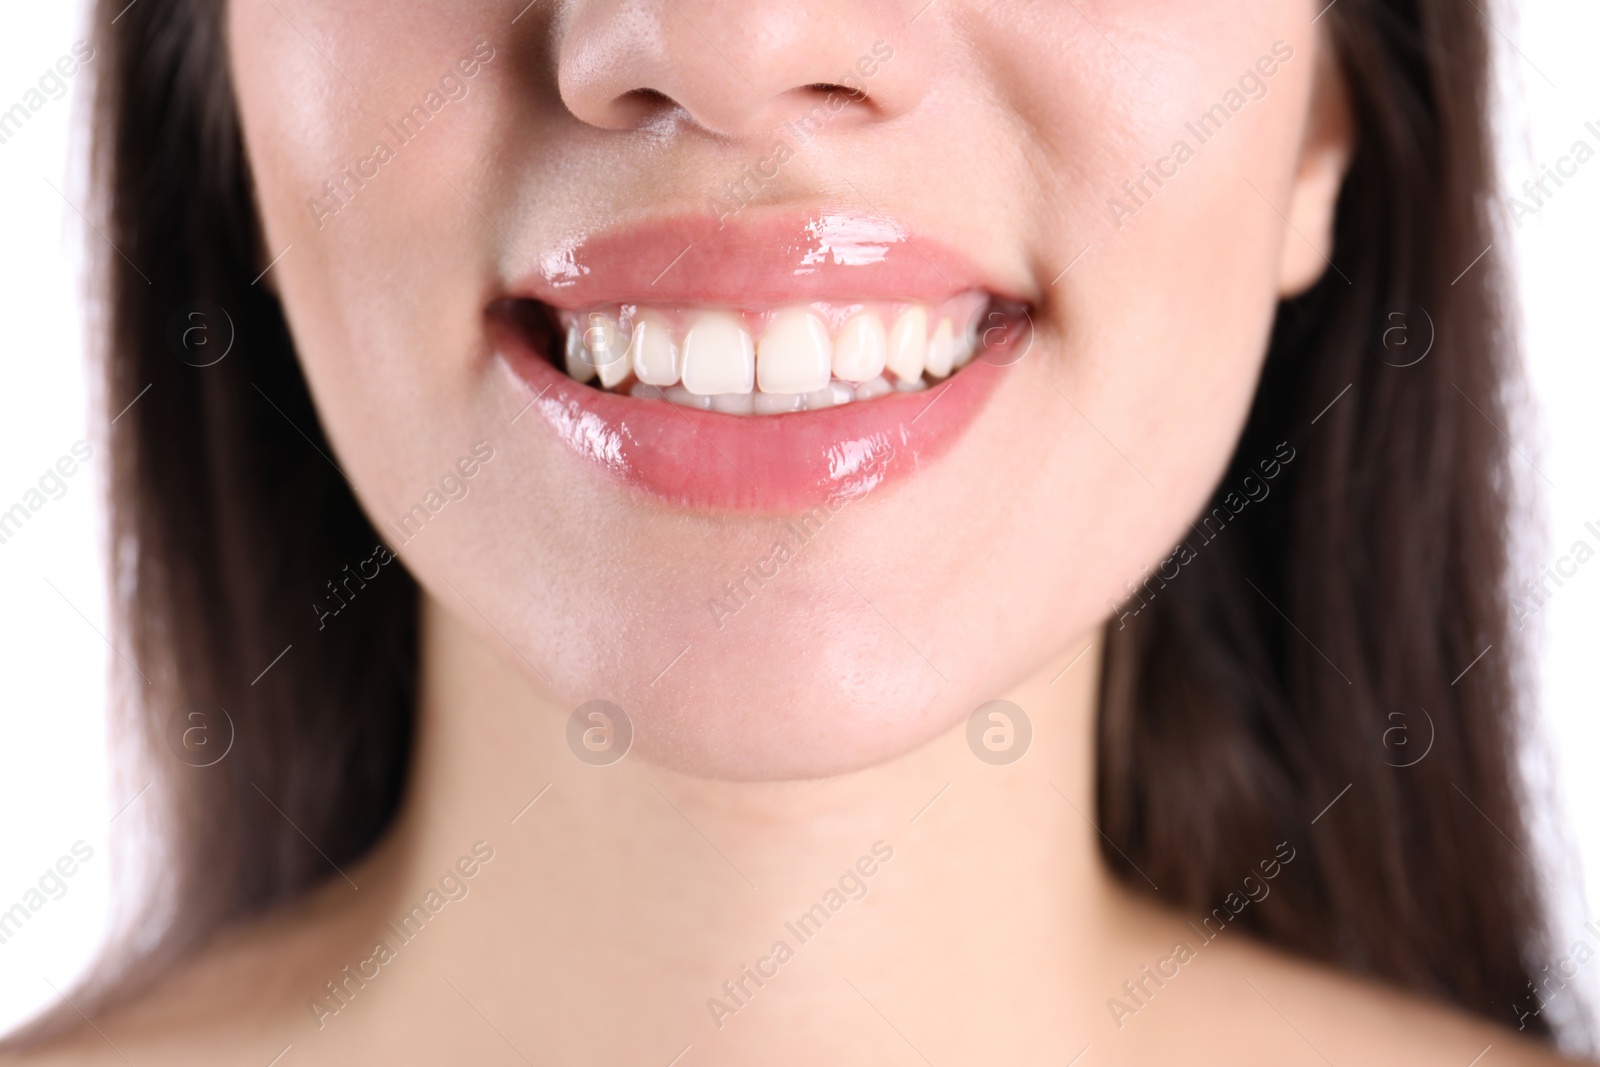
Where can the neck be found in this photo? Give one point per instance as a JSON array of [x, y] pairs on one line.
[[710, 910]]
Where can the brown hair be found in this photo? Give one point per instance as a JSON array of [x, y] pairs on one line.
[[1249, 691], [1312, 653]]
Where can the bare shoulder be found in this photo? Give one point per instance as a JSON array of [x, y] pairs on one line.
[[239, 999], [1325, 1014], [234, 991]]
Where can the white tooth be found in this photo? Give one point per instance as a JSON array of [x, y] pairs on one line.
[[908, 345], [779, 403], [795, 355], [860, 349], [942, 350], [911, 385], [718, 356], [614, 372], [818, 399], [653, 354], [681, 396], [605, 349], [969, 342], [734, 403], [843, 392], [879, 386], [578, 368], [645, 391]]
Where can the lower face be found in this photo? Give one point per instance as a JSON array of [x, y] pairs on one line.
[[799, 422]]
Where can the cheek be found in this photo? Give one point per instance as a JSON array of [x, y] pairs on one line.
[[377, 280], [1167, 200]]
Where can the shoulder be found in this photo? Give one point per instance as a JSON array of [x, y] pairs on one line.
[[1319, 1013], [1232, 998], [221, 997], [241, 998]]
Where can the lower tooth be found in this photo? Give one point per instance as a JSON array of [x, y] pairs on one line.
[[734, 403], [677, 394], [759, 403], [779, 403], [877, 387]]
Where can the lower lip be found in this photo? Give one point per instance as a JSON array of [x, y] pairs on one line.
[[706, 460]]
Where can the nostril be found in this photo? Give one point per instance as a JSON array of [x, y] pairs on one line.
[[825, 88], [654, 98], [742, 73], [636, 107]]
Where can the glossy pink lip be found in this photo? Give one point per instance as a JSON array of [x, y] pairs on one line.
[[774, 463], [751, 262], [767, 463]]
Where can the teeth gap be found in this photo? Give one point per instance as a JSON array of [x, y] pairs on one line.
[[790, 359]]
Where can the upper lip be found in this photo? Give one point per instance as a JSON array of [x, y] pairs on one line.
[[754, 260]]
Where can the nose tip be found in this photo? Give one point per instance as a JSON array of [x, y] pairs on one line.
[[738, 68]]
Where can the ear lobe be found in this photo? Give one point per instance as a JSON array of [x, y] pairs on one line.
[[1325, 150]]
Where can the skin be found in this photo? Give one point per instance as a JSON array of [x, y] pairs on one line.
[[773, 754]]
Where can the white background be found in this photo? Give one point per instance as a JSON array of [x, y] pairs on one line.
[[54, 774]]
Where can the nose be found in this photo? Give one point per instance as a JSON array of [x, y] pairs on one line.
[[738, 67]]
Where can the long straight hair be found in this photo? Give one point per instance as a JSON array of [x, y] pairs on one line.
[[1249, 701]]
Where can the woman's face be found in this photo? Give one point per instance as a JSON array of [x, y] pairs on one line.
[[1051, 235]]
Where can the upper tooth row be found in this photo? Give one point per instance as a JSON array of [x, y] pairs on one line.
[[796, 354]]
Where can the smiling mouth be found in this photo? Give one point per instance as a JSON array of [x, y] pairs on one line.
[[772, 366], [791, 358]]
